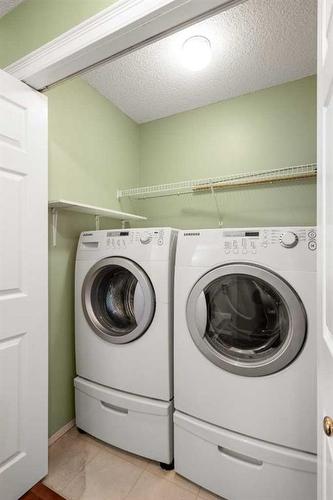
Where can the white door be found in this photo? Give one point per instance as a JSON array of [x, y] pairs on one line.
[[23, 287], [325, 263]]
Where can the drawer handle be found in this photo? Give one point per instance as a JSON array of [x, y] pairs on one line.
[[240, 456], [115, 408]]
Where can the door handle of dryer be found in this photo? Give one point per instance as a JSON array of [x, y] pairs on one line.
[[201, 314], [117, 409], [240, 456]]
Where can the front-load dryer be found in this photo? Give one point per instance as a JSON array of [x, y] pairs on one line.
[[245, 351], [124, 341]]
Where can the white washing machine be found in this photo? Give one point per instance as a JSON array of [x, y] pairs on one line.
[[245, 351], [124, 341]]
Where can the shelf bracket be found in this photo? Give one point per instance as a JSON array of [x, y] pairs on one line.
[[218, 210], [54, 213], [97, 222]]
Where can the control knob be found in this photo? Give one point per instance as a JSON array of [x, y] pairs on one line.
[[289, 239], [145, 238]]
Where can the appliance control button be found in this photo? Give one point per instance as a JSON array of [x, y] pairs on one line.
[[160, 241], [235, 250], [312, 234], [145, 238], [289, 239], [312, 245]]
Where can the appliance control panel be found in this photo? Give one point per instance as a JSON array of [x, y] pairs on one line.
[[250, 242], [127, 238], [142, 244]]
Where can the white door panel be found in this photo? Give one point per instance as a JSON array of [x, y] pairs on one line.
[[23, 287], [325, 224]]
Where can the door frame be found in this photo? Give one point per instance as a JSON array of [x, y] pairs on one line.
[[116, 30]]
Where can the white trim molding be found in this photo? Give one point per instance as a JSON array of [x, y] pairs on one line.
[[57, 435], [120, 27]]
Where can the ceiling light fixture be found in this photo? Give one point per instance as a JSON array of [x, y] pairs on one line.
[[196, 53]]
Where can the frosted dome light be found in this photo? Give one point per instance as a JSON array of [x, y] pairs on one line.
[[196, 53]]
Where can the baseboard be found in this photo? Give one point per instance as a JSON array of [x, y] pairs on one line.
[[61, 432]]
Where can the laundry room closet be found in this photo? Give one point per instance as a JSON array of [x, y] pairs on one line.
[[93, 149], [145, 121], [109, 131]]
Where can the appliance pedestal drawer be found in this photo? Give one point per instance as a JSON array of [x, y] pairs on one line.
[[139, 425], [237, 467]]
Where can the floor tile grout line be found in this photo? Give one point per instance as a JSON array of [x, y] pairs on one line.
[[156, 475], [109, 448], [134, 484], [174, 482], [196, 495], [125, 459]]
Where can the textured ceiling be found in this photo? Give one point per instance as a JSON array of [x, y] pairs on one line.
[[7, 5], [255, 45]]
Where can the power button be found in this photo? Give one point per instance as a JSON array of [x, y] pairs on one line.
[[312, 245]]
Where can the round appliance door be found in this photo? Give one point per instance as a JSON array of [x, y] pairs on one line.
[[246, 319], [118, 300]]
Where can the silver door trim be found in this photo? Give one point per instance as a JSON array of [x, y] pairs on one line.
[[296, 312], [147, 301]]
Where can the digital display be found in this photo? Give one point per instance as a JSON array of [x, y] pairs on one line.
[[112, 234], [252, 234], [241, 234]]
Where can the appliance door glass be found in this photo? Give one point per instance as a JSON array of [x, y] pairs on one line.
[[246, 319], [118, 300]]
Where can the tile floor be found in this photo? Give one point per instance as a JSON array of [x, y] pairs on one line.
[[83, 468]]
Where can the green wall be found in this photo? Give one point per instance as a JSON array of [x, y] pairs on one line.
[[267, 129], [35, 22], [93, 150]]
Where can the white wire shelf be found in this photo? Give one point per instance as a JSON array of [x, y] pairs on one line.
[[211, 184], [82, 208]]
